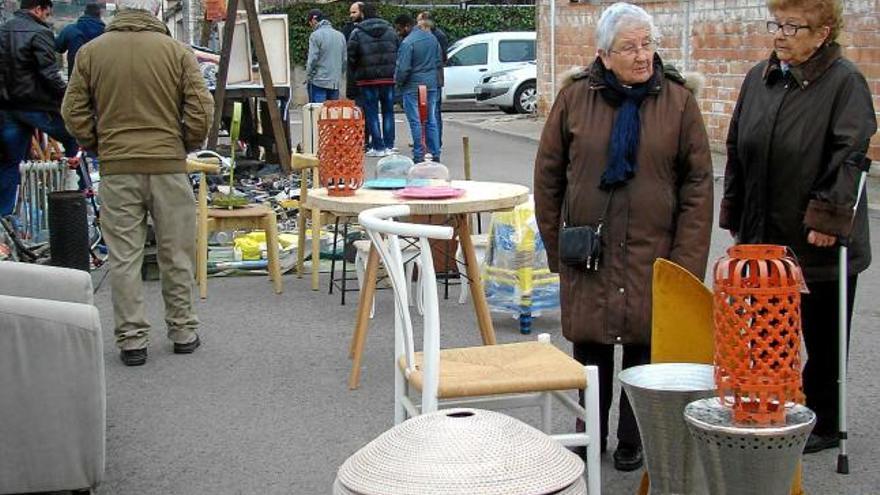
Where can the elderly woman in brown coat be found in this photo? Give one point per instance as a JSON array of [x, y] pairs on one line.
[[796, 149], [625, 136]]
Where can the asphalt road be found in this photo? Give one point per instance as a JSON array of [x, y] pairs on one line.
[[263, 407]]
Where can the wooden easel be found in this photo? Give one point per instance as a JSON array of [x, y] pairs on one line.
[[265, 76]]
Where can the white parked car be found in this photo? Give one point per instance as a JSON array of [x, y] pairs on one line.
[[512, 90], [470, 59]]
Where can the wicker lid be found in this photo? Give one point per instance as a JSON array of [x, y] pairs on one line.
[[460, 451]]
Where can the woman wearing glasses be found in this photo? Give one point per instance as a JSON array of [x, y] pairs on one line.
[[625, 146], [796, 149]]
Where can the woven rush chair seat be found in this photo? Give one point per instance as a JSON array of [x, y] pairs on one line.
[[501, 369]]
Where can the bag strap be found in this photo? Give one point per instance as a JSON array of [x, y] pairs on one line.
[[566, 220]]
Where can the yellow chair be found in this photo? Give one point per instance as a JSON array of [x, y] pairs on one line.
[[252, 217], [679, 336]]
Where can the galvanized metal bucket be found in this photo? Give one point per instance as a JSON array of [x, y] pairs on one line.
[[658, 394], [740, 460]]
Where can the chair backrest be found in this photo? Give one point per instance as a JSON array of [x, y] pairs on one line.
[[682, 327], [385, 233]]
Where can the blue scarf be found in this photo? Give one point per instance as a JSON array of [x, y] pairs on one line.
[[624, 143]]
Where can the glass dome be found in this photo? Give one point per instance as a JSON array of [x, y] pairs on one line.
[[393, 167], [428, 174]]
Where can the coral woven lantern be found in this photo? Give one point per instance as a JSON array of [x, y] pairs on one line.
[[341, 147], [758, 332]]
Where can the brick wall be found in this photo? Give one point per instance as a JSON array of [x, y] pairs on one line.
[[721, 39]]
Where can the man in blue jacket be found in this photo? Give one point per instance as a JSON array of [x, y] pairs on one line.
[[88, 27], [418, 62]]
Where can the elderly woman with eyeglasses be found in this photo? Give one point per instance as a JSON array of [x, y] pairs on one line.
[[796, 150], [625, 146]]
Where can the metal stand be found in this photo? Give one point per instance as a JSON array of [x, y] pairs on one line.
[[744, 460], [658, 394]]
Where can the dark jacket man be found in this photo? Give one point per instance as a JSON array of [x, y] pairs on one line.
[[30, 77], [88, 27], [664, 211], [372, 52]]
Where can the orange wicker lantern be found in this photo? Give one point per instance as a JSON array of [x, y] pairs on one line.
[[758, 332], [341, 147], [215, 10]]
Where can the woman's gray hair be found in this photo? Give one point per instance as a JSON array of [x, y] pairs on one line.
[[618, 16], [151, 6]]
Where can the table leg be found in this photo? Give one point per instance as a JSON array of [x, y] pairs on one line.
[[316, 246], [272, 255], [363, 318], [202, 236], [484, 320]]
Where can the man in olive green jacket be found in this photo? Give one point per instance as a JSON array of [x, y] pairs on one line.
[[137, 98]]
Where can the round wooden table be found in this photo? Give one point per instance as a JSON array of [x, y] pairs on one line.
[[478, 197]]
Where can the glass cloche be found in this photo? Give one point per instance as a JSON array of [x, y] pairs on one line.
[[428, 174], [394, 167]]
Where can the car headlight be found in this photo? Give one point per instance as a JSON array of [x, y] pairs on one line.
[[502, 78]]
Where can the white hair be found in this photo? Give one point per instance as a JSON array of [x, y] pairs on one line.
[[151, 6], [618, 16]]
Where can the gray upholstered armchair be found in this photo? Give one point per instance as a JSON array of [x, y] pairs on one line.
[[52, 395]]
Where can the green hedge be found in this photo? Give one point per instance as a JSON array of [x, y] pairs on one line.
[[455, 22]]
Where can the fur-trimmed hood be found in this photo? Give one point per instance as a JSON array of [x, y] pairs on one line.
[[693, 81]]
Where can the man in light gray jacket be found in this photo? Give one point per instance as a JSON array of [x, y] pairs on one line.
[[326, 61]]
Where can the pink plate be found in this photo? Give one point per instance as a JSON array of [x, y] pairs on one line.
[[429, 192]]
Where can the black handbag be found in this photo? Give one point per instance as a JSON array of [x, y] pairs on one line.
[[581, 246]]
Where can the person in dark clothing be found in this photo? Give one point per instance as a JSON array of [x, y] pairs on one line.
[[355, 16], [31, 89], [425, 21], [88, 27], [372, 55], [796, 149]]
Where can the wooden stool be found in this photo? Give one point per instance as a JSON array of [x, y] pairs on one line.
[[251, 217]]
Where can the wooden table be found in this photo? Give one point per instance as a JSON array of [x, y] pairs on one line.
[[479, 197]]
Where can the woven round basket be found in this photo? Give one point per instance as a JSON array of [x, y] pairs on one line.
[[461, 451]]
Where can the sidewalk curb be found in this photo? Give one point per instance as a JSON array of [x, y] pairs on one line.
[[491, 128]]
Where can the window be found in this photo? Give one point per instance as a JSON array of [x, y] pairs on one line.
[[472, 55], [516, 50]]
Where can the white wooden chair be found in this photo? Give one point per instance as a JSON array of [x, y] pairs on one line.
[[506, 375]]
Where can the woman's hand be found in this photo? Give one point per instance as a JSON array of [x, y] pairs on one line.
[[819, 239]]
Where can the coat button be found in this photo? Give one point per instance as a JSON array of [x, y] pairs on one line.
[[622, 244], [621, 290], [617, 338], [806, 82]]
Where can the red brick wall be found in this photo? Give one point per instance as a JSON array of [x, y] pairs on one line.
[[721, 39]]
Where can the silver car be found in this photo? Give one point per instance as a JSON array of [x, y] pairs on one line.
[[512, 90]]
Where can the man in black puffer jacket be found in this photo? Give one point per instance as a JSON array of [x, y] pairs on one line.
[[31, 89], [372, 56]]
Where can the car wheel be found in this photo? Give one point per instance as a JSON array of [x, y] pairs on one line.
[[508, 109], [526, 98]]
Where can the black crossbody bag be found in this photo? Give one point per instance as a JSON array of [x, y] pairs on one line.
[[581, 246]]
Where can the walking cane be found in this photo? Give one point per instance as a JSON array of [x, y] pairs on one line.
[[423, 115], [842, 459]]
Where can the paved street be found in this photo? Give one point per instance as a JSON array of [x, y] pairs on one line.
[[263, 407]]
